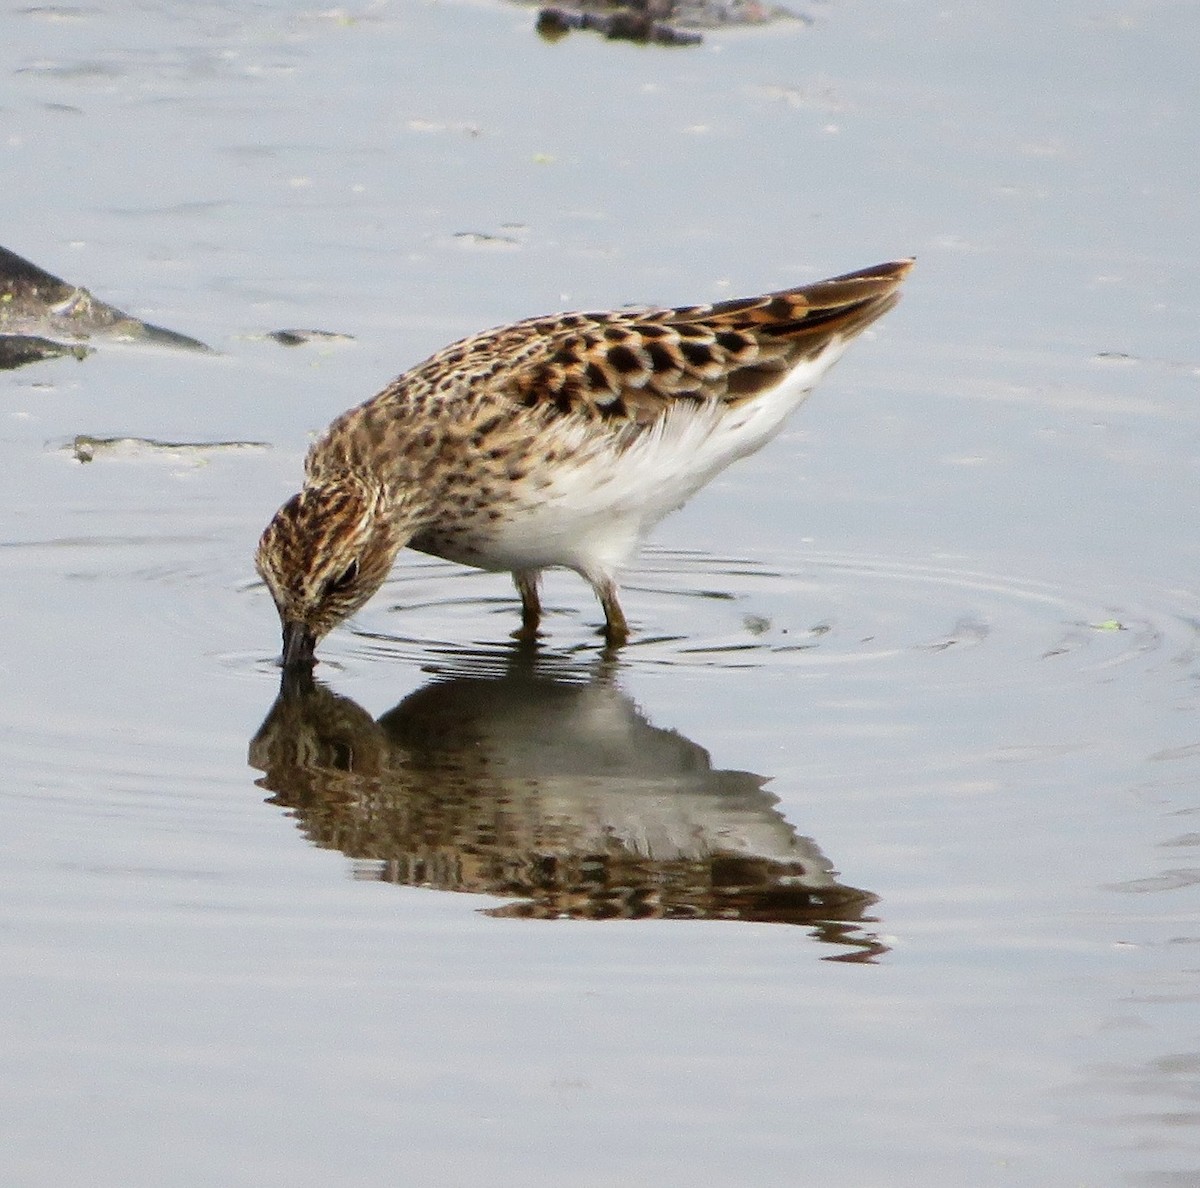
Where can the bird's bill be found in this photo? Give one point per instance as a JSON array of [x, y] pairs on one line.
[[299, 644]]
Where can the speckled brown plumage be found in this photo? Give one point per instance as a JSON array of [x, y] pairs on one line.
[[556, 440]]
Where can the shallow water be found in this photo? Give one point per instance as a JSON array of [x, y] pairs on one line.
[[929, 663]]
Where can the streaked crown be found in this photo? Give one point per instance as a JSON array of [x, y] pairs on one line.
[[326, 551]]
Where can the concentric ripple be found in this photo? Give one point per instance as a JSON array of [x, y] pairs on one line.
[[690, 609]]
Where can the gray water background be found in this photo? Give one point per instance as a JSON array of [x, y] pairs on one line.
[[955, 619]]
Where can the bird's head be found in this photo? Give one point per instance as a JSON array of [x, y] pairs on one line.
[[327, 550]]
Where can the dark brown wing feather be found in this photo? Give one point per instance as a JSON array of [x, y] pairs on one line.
[[631, 364]]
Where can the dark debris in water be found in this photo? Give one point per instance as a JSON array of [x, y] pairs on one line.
[[18, 349], [85, 447], [1123, 359], [656, 22], [623, 24], [293, 338], [484, 239], [44, 317]]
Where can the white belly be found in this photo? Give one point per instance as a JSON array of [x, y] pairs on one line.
[[601, 500]]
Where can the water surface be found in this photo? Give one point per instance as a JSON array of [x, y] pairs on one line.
[[872, 860]]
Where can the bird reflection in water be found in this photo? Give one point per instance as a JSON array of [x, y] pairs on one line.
[[554, 790]]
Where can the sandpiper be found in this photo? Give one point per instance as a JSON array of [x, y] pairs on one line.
[[554, 441]]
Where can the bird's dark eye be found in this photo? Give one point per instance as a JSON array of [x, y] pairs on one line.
[[343, 582]]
